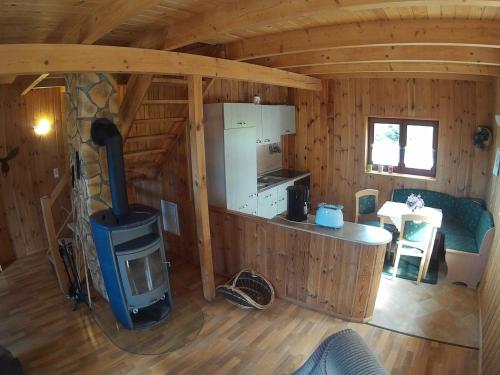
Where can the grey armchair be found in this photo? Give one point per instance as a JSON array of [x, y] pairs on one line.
[[343, 353]]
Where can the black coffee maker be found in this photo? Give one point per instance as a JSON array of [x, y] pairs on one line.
[[298, 202]]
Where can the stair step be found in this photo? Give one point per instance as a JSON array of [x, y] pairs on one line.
[[152, 137], [160, 121], [164, 101], [145, 152], [171, 81]]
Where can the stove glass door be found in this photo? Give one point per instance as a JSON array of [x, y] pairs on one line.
[[145, 274]]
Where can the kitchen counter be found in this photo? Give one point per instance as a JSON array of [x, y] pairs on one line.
[[281, 176], [335, 271], [351, 232]]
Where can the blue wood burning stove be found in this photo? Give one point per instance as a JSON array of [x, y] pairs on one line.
[[129, 245]]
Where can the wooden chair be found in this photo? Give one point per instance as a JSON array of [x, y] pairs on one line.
[[415, 239], [367, 204]]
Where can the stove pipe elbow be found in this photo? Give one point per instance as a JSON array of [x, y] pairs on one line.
[[105, 133]]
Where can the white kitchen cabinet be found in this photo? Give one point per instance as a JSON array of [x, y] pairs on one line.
[[231, 161], [267, 203], [282, 197], [287, 117], [242, 115], [241, 167], [271, 124]]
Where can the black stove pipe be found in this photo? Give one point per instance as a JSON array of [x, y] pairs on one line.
[[105, 133]]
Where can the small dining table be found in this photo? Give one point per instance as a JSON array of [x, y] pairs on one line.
[[391, 213]]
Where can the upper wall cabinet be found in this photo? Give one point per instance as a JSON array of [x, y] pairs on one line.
[[242, 115], [277, 120], [287, 119], [271, 124]]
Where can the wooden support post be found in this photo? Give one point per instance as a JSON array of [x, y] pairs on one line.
[[199, 177]]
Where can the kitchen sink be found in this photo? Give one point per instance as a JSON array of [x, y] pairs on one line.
[[270, 179], [266, 181]]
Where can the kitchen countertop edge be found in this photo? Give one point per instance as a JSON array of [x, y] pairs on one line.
[[350, 232]]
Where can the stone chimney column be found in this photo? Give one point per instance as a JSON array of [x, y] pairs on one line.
[[89, 96]]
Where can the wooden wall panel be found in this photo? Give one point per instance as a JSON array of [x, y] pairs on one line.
[[330, 141], [489, 291], [31, 175]]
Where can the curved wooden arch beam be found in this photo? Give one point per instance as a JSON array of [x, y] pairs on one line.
[[473, 33], [408, 67], [471, 55], [70, 58]]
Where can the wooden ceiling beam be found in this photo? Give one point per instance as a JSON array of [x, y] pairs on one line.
[[68, 58], [472, 33], [472, 55], [241, 14], [408, 67]]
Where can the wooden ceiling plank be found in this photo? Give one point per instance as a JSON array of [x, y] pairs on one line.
[[242, 14], [68, 58], [109, 15], [452, 68], [473, 55], [473, 33]]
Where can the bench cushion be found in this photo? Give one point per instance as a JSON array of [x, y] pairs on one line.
[[465, 221], [450, 226], [485, 224], [462, 243], [467, 213], [431, 198]]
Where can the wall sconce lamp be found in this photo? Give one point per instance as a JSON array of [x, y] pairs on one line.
[[43, 126]]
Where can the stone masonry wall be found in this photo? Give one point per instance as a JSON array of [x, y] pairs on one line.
[[89, 96]]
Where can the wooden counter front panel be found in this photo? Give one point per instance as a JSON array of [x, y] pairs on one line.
[[333, 276]]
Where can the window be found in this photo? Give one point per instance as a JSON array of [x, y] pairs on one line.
[[408, 146]]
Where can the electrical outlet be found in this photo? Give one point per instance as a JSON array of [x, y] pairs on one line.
[[55, 171]]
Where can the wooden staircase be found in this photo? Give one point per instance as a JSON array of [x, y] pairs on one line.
[[160, 120]]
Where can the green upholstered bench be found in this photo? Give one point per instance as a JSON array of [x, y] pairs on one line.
[[468, 231]]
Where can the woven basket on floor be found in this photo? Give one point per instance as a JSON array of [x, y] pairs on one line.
[[248, 289]]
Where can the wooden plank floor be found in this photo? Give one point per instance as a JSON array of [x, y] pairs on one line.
[[38, 326]]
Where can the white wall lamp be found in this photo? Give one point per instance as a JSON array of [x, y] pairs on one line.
[[43, 126]]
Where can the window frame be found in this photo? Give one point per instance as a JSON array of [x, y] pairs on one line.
[[404, 122]]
